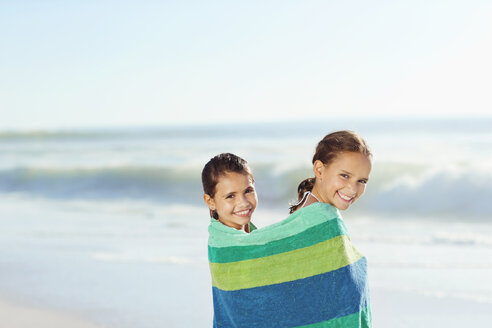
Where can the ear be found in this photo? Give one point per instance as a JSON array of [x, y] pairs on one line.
[[318, 168], [209, 201]]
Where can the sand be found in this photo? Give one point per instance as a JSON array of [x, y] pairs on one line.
[[390, 309], [20, 316]]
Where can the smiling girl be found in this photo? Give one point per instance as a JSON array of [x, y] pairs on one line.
[[229, 191], [341, 165]]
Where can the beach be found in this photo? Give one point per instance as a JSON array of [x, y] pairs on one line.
[[19, 316], [121, 275], [108, 228], [420, 311]]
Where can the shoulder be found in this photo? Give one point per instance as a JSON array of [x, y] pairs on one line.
[[318, 209], [221, 235]]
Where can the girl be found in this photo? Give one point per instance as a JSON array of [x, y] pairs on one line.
[[341, 165], [229, 191]]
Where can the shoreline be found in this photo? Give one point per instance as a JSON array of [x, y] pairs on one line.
[[390, 308], [15, 315], [401, 309]]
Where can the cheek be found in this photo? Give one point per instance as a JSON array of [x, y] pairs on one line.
[[361, 190], [333, 183], [252, 198], [224, 206], [324, 186]]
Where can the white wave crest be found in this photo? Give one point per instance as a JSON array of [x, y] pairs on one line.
[[452, 190]]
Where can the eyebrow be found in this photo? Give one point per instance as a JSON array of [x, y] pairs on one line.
[[234, 192], [349, 173]]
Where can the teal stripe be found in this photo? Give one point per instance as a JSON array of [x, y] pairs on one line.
[[360, 319], [297, 222], [309, 237]]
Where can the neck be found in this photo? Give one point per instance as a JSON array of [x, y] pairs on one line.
[[317, 195]]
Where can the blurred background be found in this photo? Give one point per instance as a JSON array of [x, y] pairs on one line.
[[109, 110]]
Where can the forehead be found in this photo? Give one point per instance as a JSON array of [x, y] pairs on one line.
[[352, 162], [232, 181]]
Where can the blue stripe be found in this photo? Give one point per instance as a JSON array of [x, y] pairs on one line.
[[301, 302]]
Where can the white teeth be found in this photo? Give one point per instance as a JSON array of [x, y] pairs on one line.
[[242, 212], [342, 196]]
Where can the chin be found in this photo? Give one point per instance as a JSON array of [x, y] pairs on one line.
[[343, 207]]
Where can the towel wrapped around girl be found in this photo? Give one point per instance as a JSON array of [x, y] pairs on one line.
[[301, 272]]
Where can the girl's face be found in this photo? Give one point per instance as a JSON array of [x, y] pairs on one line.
[[234, 201], [342, 181]]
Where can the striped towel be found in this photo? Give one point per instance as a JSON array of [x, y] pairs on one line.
[[302, 271]]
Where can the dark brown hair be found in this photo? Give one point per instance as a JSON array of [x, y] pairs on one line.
[[327, 150], [219, 166]]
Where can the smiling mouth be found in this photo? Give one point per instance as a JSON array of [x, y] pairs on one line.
[[244, 213], [346, 198]]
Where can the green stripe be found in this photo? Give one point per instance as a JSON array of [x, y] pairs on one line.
[[308, 237], [314, 214], [301, 263], [360, 319]]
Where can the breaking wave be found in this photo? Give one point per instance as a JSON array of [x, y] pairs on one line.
[[458, 191]]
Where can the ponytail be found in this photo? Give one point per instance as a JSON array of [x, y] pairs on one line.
[[305, 186]]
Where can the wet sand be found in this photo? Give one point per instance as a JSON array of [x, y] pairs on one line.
[[19, 316]]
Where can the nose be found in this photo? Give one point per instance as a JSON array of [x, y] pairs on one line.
[[243, 201], [352, 188]]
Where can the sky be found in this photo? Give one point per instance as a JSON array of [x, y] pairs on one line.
[[104, 63]]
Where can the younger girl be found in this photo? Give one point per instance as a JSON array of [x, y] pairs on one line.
[[341, 165], [229, 191]]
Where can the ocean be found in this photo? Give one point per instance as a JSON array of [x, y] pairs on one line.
[[110, 224]]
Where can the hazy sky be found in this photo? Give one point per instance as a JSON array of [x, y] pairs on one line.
[[99, 63]]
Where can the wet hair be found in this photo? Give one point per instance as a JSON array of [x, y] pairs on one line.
[[217, 167], [327, 150]]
